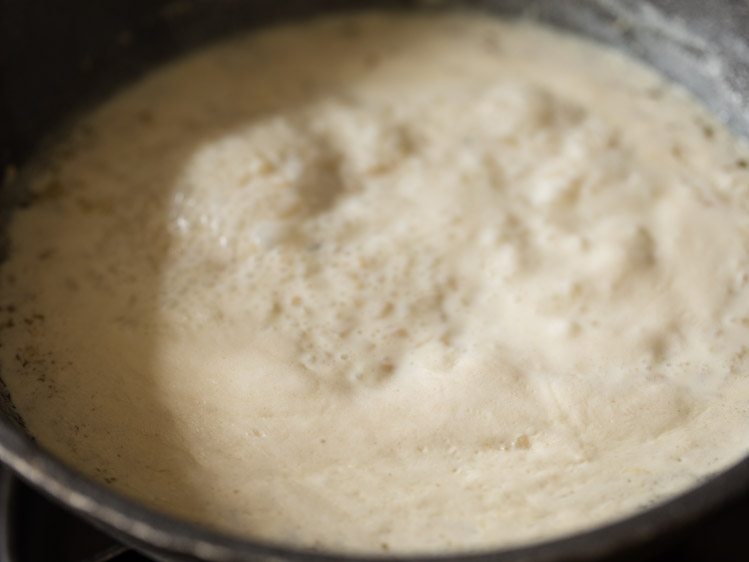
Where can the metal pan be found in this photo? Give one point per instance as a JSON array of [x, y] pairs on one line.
[[57, 58]]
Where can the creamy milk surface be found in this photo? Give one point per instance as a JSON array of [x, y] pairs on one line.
[[388, 283]]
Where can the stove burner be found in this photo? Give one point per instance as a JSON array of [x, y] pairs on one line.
[[35, 529]]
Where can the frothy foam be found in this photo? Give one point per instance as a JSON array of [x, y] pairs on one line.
[[435, 282]]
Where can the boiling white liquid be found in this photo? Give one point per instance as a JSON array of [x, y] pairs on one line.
[[388, 283]]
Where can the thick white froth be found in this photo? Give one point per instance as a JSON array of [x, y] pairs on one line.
[[405, 283]]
